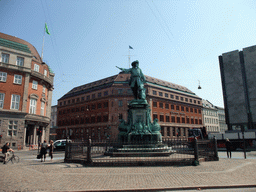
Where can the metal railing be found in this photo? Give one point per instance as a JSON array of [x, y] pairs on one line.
[[114, 153]]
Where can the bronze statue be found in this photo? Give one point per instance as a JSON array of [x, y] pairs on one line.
[[137, 80]]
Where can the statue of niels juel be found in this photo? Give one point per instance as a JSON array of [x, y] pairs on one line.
[[137, 80]]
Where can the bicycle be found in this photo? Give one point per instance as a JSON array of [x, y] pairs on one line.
[[13, 158]]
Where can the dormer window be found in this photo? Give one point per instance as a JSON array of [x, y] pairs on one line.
[[36, 68]]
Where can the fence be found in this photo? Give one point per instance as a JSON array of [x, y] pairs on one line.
[[113, 153]]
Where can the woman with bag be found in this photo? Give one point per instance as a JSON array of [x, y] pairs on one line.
[[51, 149]]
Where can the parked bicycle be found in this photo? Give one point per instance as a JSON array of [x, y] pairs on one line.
[[13, 158]]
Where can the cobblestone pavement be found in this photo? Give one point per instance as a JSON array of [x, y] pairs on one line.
[[32, 175]]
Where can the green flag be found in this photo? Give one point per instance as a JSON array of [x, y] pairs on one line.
[[46, 29]]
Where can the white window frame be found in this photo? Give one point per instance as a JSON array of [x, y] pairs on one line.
[[34, 84], [5, 58], [17, 79], [36, 67], [3, 76], [44, 87], [42, 107], [45, 72], [15, 102], [32, 106], [2, 100], [20, 61], [12, 128]]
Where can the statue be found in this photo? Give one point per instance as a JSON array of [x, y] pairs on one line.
[[137, 80]]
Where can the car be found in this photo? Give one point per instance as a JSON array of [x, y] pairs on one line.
[[60, 144]]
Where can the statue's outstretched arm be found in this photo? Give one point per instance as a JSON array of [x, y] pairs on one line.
[[124, 70]]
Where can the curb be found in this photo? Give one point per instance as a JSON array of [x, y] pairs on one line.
[[172, 189]]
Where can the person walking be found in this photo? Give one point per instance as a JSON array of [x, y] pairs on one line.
[[228, 147], [5, 150], [43, 150], [51, 149]]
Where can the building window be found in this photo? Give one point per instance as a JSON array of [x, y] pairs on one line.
[[187, 110], [120, 91], [190, 100], [161, 105], [45, 72], [5, 58], [1, 100], [120, 103], [12, 128], [20, 61], [160, 94], [34, 85], [44, 88], [154, 92], [15, 102], [198, 102], [166, 106], [194, 101], [105, 93], [186, 99], [99, 94], [32, 108], [106, 105], [195, 110], [178, 119], [177, 107], [173, 132], [82, 98], [93, 106], [183, 119], [36, 68], [166, 95], [192, 121], [196, 121], [177, 97], [93, 96], [154, 104], [88, 97], [155, 116], [181, 98], [77, 100], [172, 96], [3, 76], [64, 102], [167, 118], [99, 106], [98, 119], [17, 79], [73, 100], [173, 119], [199, 111], [188, 120], [191, 110], [120, 116], [42, 108], [182, 108], [161, 118], [172, 106]]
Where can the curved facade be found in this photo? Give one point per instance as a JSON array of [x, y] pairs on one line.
[[26, 85]]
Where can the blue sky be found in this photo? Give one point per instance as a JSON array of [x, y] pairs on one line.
[[176, 41]]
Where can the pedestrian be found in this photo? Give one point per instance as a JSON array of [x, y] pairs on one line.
[[43, 150], [51, 149], [5, 150], [228, 147]]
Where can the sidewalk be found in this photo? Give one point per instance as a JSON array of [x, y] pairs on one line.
[[32, 175]]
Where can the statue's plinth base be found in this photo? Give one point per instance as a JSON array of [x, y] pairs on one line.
[[140, 150]]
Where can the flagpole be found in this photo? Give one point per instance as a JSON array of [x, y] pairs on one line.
[[129, 58], [43, 45]]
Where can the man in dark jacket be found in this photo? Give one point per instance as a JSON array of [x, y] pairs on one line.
[[228, 147], [5, 149]]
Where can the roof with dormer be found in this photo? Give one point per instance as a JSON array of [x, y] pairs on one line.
[[19, 44], [122, 78]]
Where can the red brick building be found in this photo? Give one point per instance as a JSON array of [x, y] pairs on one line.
[[94, 109], [26, 85]]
